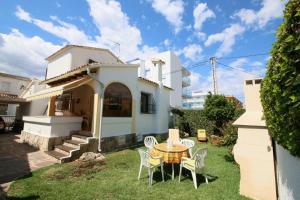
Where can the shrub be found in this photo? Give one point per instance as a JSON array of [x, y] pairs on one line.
[[188, 121], [230, 133], [219, 110], [280, 92]]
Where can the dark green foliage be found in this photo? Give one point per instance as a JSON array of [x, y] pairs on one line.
[[280, 92], [189, 121], [230, 135], [219, 110]]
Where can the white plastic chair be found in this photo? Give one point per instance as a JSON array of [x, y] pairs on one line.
[[149, 142], [195, 165], [189, 144], [174, 136], [151, 163]]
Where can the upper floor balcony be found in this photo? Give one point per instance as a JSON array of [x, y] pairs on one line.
[[186, 94], [186, 81], [185, 72]]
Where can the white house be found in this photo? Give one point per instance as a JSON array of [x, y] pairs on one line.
[[174, 75], [196, 100], [93, 95]]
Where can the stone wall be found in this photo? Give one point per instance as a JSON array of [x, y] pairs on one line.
[[40, 142]]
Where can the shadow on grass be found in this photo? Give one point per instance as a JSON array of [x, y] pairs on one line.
[[186, 174], [229, 158], [31, 197]]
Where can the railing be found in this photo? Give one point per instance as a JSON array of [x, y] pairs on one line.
[[186, 81], [8, 119], [186, 94]]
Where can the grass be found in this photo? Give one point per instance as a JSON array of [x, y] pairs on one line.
[[117, 179]]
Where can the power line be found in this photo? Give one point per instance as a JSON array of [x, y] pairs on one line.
[[244, 56], [242, 70], [190, 67]]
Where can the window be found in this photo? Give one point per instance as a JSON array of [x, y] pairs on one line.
[[4, 86], [147, 103], [3, 109], [117, 101]]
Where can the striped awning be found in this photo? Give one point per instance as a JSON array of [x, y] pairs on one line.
[[58, 90]]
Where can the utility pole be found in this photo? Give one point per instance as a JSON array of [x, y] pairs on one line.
[[213, 62]]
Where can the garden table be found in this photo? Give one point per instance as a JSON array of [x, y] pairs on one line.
[[170, 154]]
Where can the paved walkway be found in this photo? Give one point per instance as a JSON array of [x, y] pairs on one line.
[[17, 159]]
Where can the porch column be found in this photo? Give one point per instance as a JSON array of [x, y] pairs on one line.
[[96, 115], [133, 119], [51, 106]]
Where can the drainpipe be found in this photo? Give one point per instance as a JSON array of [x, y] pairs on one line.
[[88, 70]]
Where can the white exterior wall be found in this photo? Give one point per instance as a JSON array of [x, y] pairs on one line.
[[144, 123], [14, 85], [59, 65], [288, 174], [171, 74], [54, 126], [81, 56]]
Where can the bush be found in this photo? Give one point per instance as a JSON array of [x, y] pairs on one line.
[[230, 133], [219, 110], [280, 92], [188, 121]]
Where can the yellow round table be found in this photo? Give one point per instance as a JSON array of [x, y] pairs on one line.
[[170, 154]]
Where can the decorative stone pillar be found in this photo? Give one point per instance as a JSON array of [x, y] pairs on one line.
[[51, 106]]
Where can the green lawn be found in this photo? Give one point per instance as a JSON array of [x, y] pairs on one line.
[[117, 179]]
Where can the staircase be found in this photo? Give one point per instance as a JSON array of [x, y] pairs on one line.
[[73, 148]]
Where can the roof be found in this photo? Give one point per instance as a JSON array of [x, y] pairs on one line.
[[81, 71], [71, 74], [10, 98], [58, 90], [152, 82], [251, 118], [69, 46], [15, 77]]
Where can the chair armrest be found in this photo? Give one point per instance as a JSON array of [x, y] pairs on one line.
[[185, 158]]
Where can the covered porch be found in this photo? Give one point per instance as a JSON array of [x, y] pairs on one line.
[[73, 105]]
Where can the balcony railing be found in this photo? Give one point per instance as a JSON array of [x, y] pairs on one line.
[[186, 94], [186, 81], [185, 72]]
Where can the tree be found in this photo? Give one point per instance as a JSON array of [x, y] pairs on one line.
[[219, 110], [280, 92]]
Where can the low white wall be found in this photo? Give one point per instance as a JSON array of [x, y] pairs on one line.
[[288, 174], [54, 126], [116, 126]]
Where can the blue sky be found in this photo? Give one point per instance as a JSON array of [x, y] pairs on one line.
[[194, 30]]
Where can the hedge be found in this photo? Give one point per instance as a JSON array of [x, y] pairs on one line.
[[280, 91]]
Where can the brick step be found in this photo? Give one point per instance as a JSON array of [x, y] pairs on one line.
[[56, 154], [73, 143], [85, 133], [79, 138], [64, 148]]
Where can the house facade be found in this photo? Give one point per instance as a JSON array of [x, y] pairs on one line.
[[195, 100], [94, 95], [174, 75]]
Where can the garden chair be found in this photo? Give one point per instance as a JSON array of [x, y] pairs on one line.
[[201, 135], [174, 136], [149, 142], [151, 163], [188, 143], [195, 165]]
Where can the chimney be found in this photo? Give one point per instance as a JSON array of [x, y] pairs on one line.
[[158, 72], [252, 95]]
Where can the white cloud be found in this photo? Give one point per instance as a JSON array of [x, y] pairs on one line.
[[23, 55], [201, 14], [172, 10], [22, 14], [195, 80], [270, 9], [193, 52], [113, 26], [63, 30], [227, 38], [167, 42]]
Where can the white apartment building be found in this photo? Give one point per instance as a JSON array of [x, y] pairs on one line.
[[195, 100], [174, 75]]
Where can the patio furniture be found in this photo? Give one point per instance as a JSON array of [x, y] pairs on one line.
[[170, 154], [151, 163], [174, 136], [201, 135], [195, 165], [149, 142], [189, 144]]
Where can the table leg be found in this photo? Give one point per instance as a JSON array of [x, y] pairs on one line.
[[172, 171]]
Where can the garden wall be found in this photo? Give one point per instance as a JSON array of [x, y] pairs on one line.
[[288, 174]]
